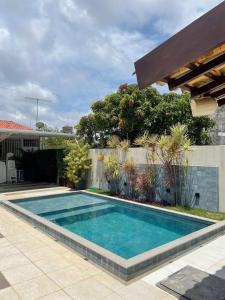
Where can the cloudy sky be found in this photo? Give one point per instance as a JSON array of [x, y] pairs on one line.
[[76, 51]]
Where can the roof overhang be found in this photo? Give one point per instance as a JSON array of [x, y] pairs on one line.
[[34, 133], [193, 59]]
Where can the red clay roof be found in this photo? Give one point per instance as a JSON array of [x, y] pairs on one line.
[[12, 125]]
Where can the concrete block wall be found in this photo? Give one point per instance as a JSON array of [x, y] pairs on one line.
[[206, 174]]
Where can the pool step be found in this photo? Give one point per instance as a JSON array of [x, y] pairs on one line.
[[7, 188], [61, 212], [83, 214]]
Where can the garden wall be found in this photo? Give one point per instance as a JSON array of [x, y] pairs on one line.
[[206, 174]]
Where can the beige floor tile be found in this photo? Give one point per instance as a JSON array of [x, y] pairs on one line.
[[43, 236], [13, 261], [58, 248], [11, 230], [141, 291], [8, 250], [21, 274], [89, 289], [19, 238], [87, 266], [56, 296], [170, 297], [52, 264], [29, 244], [109, 281], [81, 264], [113, 296], [8, 294], [29, 228], [67, 277], [90, 272], [40, 253], [4, 242], [73, 257], [36, 288]]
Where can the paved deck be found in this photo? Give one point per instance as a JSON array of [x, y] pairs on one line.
[[37, 267]]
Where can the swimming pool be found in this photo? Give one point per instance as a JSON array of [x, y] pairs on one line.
[[124, 229], [123, 237]]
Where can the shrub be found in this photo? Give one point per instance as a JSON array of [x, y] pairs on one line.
[[112, 172], [130, 169], [145, 186], [171, 152], [113, 142], [77, 161]]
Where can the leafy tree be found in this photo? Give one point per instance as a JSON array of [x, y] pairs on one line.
[[129, 112]]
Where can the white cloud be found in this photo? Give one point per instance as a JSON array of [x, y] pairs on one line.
[[40, 28], [75, 51], [72, 12], [4, 37], [18, 107]]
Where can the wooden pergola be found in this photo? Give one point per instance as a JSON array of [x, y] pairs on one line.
[[192, 60]]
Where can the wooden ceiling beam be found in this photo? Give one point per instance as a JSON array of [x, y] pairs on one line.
[[218, 93], [211, 76], [201, 70], [207, 87], [193, 66]]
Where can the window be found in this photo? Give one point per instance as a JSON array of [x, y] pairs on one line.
[[30, 143]]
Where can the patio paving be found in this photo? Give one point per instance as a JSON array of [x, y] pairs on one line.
[[38, 267]]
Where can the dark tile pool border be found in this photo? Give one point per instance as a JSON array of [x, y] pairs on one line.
[[125, 269]]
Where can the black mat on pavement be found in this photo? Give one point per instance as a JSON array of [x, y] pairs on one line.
[[193, 284]]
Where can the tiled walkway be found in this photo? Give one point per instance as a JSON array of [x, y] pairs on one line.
[[37, 267]]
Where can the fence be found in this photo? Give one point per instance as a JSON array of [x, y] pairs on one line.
[[206, 175]]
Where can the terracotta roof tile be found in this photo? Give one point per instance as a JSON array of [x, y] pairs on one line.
[[12, 125]]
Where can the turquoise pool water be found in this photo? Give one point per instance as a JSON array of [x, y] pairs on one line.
[[122, 228]]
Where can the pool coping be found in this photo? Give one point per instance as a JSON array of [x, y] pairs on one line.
[[126, 269]]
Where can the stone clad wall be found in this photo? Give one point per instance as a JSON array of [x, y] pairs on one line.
[[205, 182], [206, 173]]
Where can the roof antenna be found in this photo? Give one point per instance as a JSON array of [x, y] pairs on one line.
[[38, 100]]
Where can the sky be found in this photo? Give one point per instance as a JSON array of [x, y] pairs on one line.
[[73, 52]]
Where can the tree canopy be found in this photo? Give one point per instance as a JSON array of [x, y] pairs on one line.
[[130, 112]]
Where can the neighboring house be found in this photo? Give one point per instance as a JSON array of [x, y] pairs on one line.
[[15, 143], [16, 138]]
